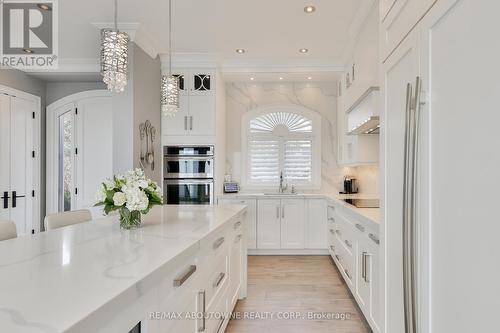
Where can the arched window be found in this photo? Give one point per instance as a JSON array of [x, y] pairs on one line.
[[282, 139]]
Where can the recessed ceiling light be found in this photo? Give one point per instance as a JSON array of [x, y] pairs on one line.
[[251, 79], [303, 50], [240, 51], [281, 78], [309, 9], [28, 50], [44, 6], [309, 78]]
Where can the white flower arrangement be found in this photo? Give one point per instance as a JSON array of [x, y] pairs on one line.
[[132, 194]]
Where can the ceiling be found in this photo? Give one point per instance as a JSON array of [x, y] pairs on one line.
[[270, 31]]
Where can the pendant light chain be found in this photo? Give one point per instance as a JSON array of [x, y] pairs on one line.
[[169, 37], [116, 15]]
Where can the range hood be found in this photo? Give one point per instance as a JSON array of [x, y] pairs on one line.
[[369, 126]]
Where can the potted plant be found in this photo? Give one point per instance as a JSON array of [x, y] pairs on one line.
[[132, 194]]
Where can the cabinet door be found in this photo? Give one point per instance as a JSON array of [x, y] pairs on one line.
[[403, 15], [399, 70], [292, 224], [268, 224], [362, 281], [201, 115], [460, 140], [316, 220], [235, 265], [372, 273], [178, 124]]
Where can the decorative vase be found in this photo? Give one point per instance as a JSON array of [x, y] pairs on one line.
[[130, 219]]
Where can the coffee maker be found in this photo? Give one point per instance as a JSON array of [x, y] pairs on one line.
[[350, 185]]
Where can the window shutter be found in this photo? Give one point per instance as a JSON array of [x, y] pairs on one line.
[[297, 162], [264, 161]]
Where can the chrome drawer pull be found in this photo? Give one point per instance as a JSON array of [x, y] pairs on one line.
[[332, 231], [347, 273], [331, 219], [348, 243], [338, 232], [331, 207], [201, 294], [360, 227], [374, 238], [180, 280], [237, 225], [219, 279], [238, 238], [218, 243]]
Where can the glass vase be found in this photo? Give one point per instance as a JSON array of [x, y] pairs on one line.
[[130, 219]]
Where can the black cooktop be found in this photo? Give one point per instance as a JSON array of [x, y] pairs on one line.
[[363, 203]]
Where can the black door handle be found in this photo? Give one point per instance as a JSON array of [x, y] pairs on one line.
[[14, 198], [5, 200]]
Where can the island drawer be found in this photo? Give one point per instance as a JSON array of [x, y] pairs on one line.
[[216, 279]]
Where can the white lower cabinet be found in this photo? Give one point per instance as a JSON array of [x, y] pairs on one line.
[[269, 224], [292, 223], [355, 250], [203, 284], [315, 224], [251, 218]]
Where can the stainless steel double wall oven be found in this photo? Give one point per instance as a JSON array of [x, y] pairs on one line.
[[188, 175]]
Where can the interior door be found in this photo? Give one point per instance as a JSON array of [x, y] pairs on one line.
[[400, 69], [460, 160], [94, 119], [292, 224], [4, 157], [17, 161], [268, 224]]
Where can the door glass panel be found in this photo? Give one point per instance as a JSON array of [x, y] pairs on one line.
[[181, 81], [65, 160], [202, 82]]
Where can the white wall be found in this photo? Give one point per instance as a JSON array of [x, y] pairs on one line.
[[317, 96], [59, 89]]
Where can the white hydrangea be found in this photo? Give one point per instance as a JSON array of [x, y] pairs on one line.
[[119, 199], [109, 183], [136, 198]]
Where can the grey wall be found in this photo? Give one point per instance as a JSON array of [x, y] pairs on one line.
[[58, 90], [146, 78], [16, 79]]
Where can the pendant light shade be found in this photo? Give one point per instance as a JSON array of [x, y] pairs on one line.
[[169, 95], [169, 83], [114, 56]]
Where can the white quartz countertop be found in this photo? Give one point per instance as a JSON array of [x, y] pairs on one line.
[[51, 281], [369, 215]]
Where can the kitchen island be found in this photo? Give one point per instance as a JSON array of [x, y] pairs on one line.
[[95, 277]]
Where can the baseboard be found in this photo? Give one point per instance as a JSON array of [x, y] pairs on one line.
[[288, 252]]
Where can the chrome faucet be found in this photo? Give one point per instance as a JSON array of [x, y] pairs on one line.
[[282, 188]]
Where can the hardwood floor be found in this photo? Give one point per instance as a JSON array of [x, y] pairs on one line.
[[280, 285]]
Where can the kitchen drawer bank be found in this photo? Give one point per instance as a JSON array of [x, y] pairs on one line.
[[94, 277]]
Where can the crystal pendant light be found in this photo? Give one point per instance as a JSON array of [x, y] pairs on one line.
[[169, 83], [114, 56]]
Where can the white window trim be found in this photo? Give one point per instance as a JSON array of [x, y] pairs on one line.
[[315, 137]]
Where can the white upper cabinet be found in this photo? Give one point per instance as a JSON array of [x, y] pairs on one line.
[[398, 18], [195, 120]]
